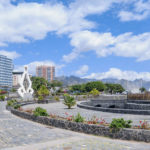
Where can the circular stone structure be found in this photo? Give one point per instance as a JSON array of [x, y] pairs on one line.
[[117, 105]]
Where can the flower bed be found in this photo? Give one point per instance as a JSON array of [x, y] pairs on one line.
[[94, 127], [124, 134]]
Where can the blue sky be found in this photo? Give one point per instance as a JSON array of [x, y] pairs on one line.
[[93, 39]]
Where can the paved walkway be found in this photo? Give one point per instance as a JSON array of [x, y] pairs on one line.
[[21, 134], [60, 109]]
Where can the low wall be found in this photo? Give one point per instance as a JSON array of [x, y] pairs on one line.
[[111, 97], [107, 103], [124, 134], [86, 105], [137, 106], [139, 101]]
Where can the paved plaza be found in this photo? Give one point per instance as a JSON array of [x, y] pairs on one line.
[[60, 109], [21, 134]]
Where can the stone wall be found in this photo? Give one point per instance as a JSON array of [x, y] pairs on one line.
[[87, 105], [107, 103], [111, 97], [124, 134], [139, 101], [137, 106]]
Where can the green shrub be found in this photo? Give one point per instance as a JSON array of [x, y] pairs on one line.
[[43, 91], [11, 102], [2, 97], [95, 92], [56, 98], [78, 118], [40, 98], [40, 112], [69, 101], [120, 123], [17, 106], [84, 97]]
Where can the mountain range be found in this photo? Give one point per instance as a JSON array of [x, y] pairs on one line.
[[128, 85]]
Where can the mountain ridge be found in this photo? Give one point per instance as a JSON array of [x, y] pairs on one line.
[[128, 85]]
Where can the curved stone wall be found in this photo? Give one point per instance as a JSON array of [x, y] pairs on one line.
[[116, 106], [124, 134]]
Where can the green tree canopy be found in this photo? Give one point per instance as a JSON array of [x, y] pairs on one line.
[[95, 85], [55, 83], [37, 82], [43, 91], [114, 88], [78, 87]]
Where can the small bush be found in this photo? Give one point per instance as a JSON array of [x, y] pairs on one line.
[[69, 101], [40, 112], [56, 98], [95, 92], [78, 118], [17, 106], [11, 102], [120, 123], [40, 98], [84, 97], [2, 97]]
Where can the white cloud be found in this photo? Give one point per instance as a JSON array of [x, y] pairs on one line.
[[80, 9], [28, 21], [119, 74], [32, 66], [11, 55], [32, 21], [83, 70], [128, 16], [104, 44], [140, 11]]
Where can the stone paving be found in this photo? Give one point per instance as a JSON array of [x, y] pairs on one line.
[[60, 109], [21, 134]]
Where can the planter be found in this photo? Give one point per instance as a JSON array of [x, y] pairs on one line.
[[124, 134]]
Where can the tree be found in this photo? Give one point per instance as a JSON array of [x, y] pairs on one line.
[[95, 85], [37, 82], [109, 87], [118, 88], [76, 87], [55, 83], [69, 101], [43, 92], [114, 88], [142, 89], [95, 92]]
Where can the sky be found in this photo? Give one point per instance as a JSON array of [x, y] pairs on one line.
[[86, 38]]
